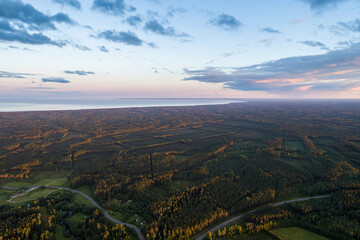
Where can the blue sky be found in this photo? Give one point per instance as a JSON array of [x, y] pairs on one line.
[[179, 48]]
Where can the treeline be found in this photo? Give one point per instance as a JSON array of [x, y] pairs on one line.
[[23, 223], [186, 213], [38, 220], [97, 227], [335, 218], [254, 223], [111, 184], [21, 171]]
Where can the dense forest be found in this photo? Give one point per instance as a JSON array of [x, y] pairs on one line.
[[177, 171]]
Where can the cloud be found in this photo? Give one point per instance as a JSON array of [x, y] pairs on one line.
[[172, 11], [352, 26], [112, 7], [155, 27], [4, 74], [10, 34], [134, 20], [152, 45], [335, 70], [81, 47], [128, 38], [72, 3], [315, 44], [26, 13], [47, 88], [305, 87], [55, 80], [320, 5], [103, 49], [79, 72], [226, 22], [62, 18], [270, 30], [155, 1]]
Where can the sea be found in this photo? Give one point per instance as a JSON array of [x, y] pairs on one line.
[[21, 105]]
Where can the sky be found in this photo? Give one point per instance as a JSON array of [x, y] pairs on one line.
[[179, 49]]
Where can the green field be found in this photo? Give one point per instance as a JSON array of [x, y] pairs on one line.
[[59, 232], [87, 190], [18, 184], [4, 194], [295, 233], [81, 201], [296, 145], [33, 195], [74, 220], [43, 178], [182, 184]]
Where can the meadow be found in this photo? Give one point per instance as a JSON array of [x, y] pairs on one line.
[[295, 233]]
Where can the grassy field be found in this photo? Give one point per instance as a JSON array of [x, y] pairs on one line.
[[295, 233], [59, 232], [44, 178], [74, 220], [165, 191], [17, 184], [33, 195], [87, 190], [181, 184], [81, 201], [4, 194], [297, 145]]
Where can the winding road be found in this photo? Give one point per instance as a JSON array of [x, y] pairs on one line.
[[221, 225], [141, 236]]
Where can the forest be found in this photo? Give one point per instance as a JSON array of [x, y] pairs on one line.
[[176, 172]]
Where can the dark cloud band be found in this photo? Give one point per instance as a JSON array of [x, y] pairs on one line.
[[334, 70]]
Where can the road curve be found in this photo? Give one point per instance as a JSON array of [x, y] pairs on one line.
[[141, 236], [221, 225]]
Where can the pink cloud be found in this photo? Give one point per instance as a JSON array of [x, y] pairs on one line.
[[355, 89], [305, 88]]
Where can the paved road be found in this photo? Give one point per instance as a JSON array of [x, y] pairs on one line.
[[221, 225], [141, 236]]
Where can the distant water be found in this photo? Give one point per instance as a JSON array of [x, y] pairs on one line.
[[77, 104]]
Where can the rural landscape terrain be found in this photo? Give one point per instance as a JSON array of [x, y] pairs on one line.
[[252, 170]]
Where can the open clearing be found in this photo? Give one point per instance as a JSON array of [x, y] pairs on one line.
[[4, 194], [45, 178], [295, 233], [33, 195]]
